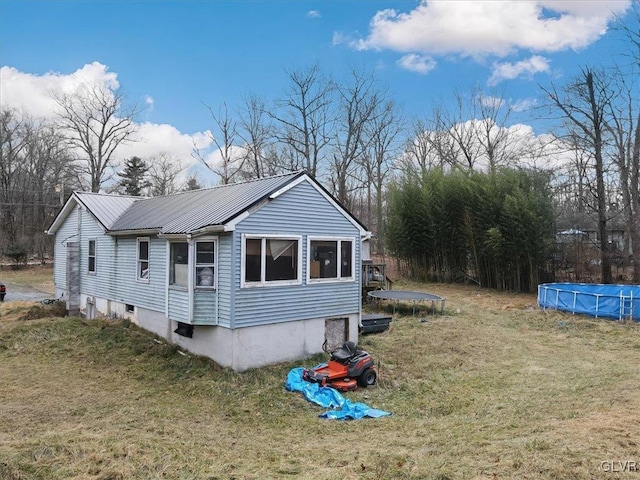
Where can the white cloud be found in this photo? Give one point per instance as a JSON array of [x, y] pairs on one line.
[[524, 104], [32, 94], [339, 38], [417, 63], [509, 71], [480, 28], [313, 14]]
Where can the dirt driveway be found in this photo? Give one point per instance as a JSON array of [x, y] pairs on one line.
[[22, 292]]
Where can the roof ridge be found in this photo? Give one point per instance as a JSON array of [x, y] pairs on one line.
[[213, 187]]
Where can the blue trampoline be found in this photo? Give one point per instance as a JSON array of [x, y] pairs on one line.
[[617, 302]]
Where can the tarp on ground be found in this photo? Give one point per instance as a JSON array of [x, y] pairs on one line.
[[327, 397]]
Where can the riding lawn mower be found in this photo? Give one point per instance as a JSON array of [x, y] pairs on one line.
[[348, 368]]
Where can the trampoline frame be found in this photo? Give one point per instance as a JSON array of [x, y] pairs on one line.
[[413, 297]]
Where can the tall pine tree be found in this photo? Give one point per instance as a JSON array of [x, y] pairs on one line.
[[134, 177]]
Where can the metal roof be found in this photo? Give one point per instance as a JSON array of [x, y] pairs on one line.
[[190, 211], [106, 208]]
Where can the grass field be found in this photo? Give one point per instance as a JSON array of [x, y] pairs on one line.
[[495, 388]]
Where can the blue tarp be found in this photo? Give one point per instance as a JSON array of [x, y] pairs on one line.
[[327, 397], [617, 302]]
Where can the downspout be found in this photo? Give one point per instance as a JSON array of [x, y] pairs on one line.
[[191, 270], [166, 285]]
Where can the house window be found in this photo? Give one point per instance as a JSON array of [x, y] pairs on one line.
[[271, 260], [205, 264], [143, 259], [91, 257], [331, 259], [179, 264]]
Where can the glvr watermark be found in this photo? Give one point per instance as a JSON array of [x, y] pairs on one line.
[[620, 466]]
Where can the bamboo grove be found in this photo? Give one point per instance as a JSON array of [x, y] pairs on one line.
[[495, 229]]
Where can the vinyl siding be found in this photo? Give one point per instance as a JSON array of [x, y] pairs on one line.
[[68, 232], [98, 283], [224, 279], [179, 305], [299, 211], [204, 307], [125, 286], [115, 277]]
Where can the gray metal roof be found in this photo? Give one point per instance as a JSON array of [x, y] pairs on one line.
[[106, 208], [194, 210]]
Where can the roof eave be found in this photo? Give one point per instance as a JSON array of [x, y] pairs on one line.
[[64, 212]]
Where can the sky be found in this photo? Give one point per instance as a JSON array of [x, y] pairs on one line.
[[175, 57]]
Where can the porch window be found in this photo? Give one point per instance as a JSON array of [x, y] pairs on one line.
[[143, 259], [330, 259], [205, 264], [179, 264], [271, 260], [91, 257]]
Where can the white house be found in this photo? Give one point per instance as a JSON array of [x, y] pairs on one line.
[[247, 274]]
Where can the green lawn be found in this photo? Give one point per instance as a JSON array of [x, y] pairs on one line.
[[493, 389]]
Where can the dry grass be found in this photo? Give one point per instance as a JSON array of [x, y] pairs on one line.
[[36, 276], [493, 389]]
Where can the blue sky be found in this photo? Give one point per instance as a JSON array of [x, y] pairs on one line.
[[172, 55]]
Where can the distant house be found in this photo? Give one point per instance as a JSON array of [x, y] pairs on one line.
[[247, 274]]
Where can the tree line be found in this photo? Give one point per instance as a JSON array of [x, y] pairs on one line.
[[350, 134]]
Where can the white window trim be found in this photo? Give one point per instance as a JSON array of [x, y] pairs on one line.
[[215, 263], [340, 278], [138, 260], [95, 256], [263, 282], [175, 286]]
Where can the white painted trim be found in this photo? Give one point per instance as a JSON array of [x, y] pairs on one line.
[[138, 241], [95, 255], [66, 210], [191, 253], [263, 282], [213, 287], [288, 187], [167, 274], [231, 225], [339, 278]]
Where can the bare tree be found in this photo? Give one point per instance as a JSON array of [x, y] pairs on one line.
[[256, 135], [304, 119], [624, 126], [34, 162], [583, 105], [230, 161], [97, 122], [163, 174], [359, 104], [383, 130], [497, 142]]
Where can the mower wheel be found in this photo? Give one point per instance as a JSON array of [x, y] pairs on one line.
[[367, 378]]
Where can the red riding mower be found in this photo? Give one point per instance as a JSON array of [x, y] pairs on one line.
[[347, 368]]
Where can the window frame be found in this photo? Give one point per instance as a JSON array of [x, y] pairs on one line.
[[94, 256], [196, 265], [339, 278], [263, 282], [139, 260], [171, 271]]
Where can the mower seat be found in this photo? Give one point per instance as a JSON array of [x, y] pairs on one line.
[[344, 353]]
